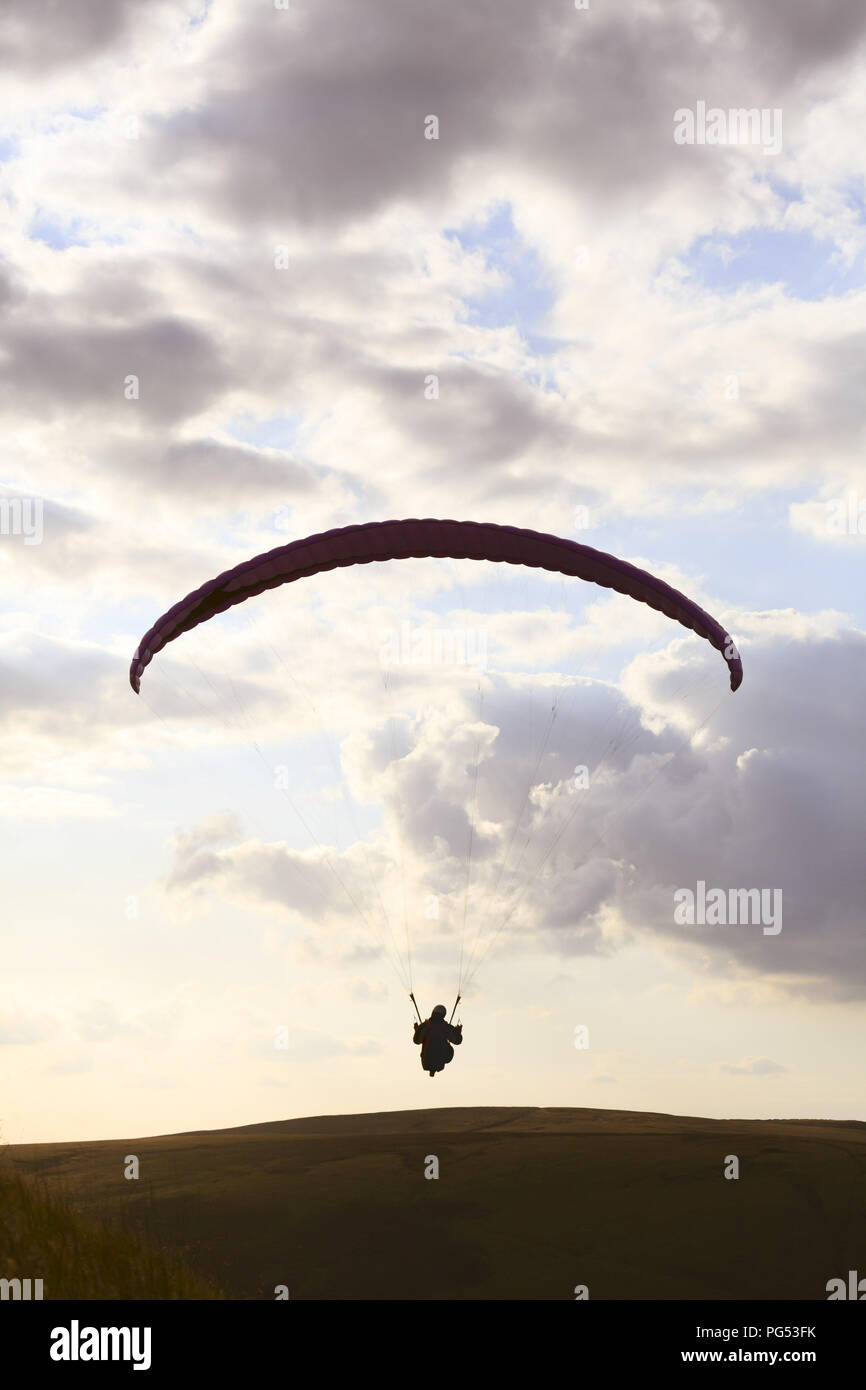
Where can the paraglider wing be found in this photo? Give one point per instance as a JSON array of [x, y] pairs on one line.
[[421, 539]]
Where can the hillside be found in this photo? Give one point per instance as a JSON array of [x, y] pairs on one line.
[[529, 1203]]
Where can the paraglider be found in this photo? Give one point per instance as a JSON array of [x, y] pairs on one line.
[[385, 541], [435, 1036], [413, 539]]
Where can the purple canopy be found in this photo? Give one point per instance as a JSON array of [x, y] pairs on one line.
[[403, 540]]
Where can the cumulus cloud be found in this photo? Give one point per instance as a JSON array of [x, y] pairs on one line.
[[572, 828], [388, 262]]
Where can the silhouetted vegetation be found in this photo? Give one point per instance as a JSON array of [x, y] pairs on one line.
[[43, 1237]]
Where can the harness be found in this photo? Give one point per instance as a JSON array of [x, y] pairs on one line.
[[429, 1023], [427, 1038]]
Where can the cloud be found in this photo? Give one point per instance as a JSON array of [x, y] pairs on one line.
[[178, 368], [741, 813], [100, 1022], [363, 991], [838, 518], [392, 240], [577, 870], [71, 1066], [754, 1066], [218, 829], [18, 1029], [53, 804], [312, 1045], [40, 37]]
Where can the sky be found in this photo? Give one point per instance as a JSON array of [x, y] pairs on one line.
[[269, 269]]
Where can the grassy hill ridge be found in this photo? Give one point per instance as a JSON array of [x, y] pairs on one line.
[[529, 1202]]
